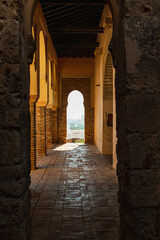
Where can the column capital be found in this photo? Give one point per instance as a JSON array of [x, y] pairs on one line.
[[49, 106], [41, 103], [33, 98]]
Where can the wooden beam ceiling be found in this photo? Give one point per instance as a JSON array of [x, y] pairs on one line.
[[74, 25], [78, 45], [74, 3], [77, 30]]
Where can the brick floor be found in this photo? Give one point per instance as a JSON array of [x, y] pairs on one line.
[[74, 195]]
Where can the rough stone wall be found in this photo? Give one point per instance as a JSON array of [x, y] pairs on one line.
[[41, 130], [84, 86], [138, 112], [49, 128], [14, 125]]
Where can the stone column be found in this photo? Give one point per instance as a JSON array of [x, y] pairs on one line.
[[41, 130], [138, 119], [89, 125], [49, 127], [55, 125], [33, 131]]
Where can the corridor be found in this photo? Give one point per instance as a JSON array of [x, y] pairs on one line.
[[74, 195]]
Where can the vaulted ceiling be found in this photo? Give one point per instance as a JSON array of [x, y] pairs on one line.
[[74, 25]]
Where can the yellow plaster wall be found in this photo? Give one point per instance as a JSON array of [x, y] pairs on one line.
[[50, 102], [42, 69], [76, 66], [114, 124], [33, 73], [98, 123], [45, 52], [107, 137], [33, 81], [103, 134]]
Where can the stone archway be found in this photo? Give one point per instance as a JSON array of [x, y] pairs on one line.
[[135, 52], [82, 85]]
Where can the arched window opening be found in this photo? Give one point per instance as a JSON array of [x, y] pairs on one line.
[[75, 118]]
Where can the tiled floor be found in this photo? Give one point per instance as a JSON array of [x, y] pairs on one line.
[[74, 195]]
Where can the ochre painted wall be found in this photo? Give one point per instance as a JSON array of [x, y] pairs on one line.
[[103, 135], [76, 66], [76, 74]]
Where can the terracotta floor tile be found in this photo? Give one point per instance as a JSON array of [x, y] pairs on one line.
[[74, 195]]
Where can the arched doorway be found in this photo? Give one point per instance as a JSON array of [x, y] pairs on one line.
[[75, 117], [83, 85]]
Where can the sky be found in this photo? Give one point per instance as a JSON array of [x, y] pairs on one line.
[[75, 107]]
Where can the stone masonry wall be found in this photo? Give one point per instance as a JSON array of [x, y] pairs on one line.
[[41, 130], [14, 125], [138, 119], [84, 86]]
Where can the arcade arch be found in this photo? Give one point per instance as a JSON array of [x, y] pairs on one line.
[[107, 147], [42, 70], [134, 50], [75, 117], [84, 86]]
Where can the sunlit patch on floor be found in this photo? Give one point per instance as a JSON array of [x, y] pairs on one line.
[[66, 147]]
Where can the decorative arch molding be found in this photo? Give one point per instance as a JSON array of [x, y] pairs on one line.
[[29, 8], [113, 47], [83, 85]]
